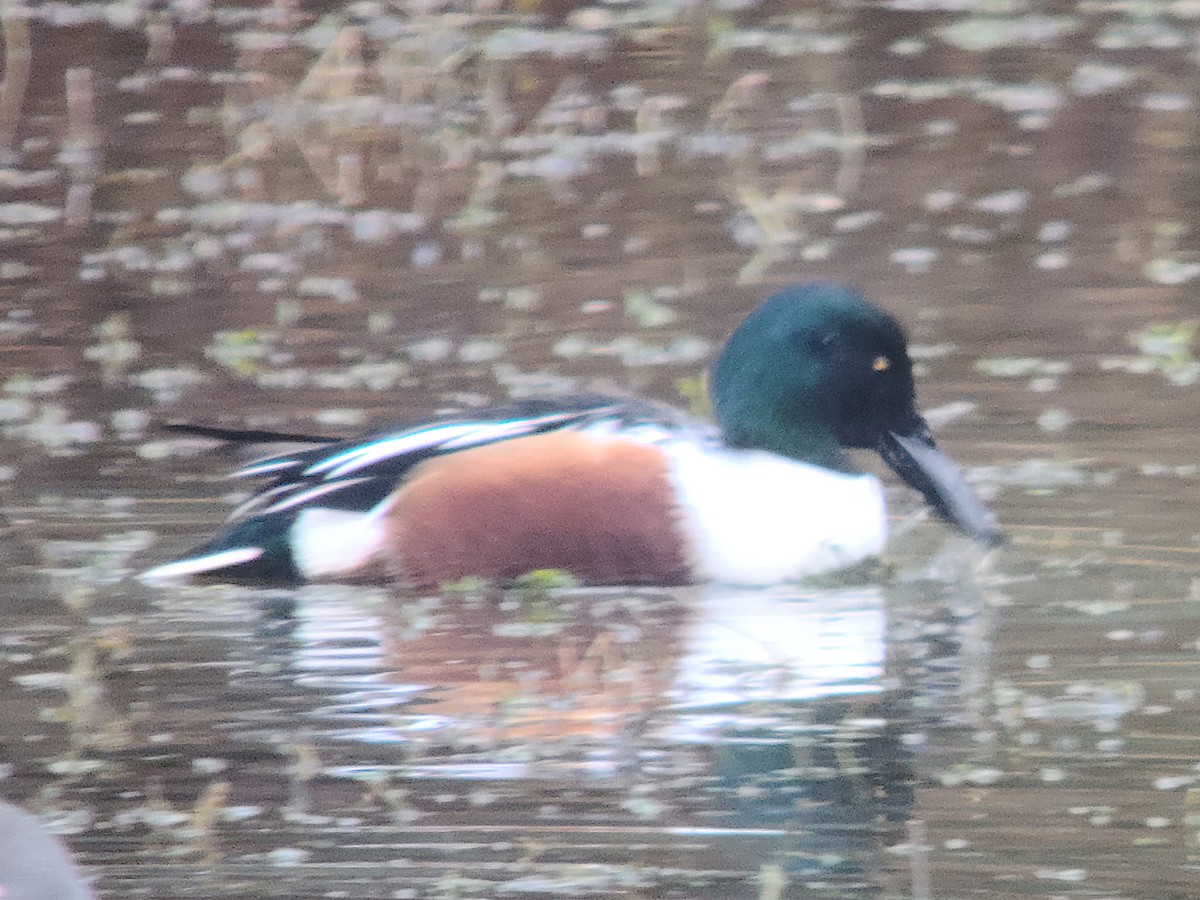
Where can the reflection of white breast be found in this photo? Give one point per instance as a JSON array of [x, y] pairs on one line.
[[780, 644], [757, 518]]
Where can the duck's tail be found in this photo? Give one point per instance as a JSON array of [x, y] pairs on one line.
[[248, 435], [254, 550]]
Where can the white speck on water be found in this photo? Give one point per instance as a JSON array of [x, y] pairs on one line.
[[857, 221], [129, 423], [940, 128], [1093, 78], [915, 259], [1053, 232], [1053, 421], [1062, 874], [522, 298], [940, 201], [280, 263], [1023, 99], [204, 181], [1084, 185], [15, 409], [1171, 271], [430, 350], [962, 233], [1004, 203], [372, 226], [1050, 262], [571, 346], [1167, 102], [595, 231], [340, 418], [1021, 367], [908, 47], [635, 245], [240, 813], [426, 255], [340, 290], [28, 214], [1149, 33], [1044, 384], [817, 250], [286, 857], [980, 33], [480, 350]]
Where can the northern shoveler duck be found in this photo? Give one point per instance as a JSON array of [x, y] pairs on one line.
[[617, 491], [35, 864]]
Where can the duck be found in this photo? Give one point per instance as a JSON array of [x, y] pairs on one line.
[[35, 864], [615, 490]]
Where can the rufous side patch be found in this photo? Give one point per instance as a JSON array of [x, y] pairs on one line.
[[602, 509]]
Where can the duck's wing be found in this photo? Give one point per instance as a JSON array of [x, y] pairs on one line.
[[360, 472]]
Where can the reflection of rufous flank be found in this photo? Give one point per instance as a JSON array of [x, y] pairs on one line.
[[511, 676]]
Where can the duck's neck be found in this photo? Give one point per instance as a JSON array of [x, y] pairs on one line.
[[762, 430]]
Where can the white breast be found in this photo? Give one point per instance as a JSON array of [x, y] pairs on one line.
[[756, 518]]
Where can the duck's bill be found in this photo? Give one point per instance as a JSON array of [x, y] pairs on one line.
[[913, 455]]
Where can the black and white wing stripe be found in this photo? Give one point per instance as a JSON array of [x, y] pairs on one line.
[[360, 473]]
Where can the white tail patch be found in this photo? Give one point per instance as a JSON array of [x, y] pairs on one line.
[[180, 571], [752, 517], [328, 543]]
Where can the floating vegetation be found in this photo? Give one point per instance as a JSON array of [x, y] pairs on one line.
[[241, 352], [1022, 367], [982, 33], [1166, 349], [647, 310]]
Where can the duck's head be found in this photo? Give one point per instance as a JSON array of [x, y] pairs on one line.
[[816, 369]]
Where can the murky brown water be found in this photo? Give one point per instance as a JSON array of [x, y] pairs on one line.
[[314, 215]]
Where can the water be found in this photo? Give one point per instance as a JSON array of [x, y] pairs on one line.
[[311, 218]]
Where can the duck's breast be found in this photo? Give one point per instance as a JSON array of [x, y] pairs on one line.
[[752, 517]]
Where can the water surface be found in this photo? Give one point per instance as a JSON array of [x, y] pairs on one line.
[[311, 216]]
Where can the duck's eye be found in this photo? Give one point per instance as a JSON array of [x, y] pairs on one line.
[[881, 363]]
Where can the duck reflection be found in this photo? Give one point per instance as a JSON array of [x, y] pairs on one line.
[[763, 711], [591, 664]]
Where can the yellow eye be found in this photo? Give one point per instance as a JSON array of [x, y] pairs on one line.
[[881, 364]]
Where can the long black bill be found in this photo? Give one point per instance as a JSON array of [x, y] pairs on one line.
[[913, 455]]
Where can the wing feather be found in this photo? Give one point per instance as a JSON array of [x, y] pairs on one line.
[[359, 473]]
